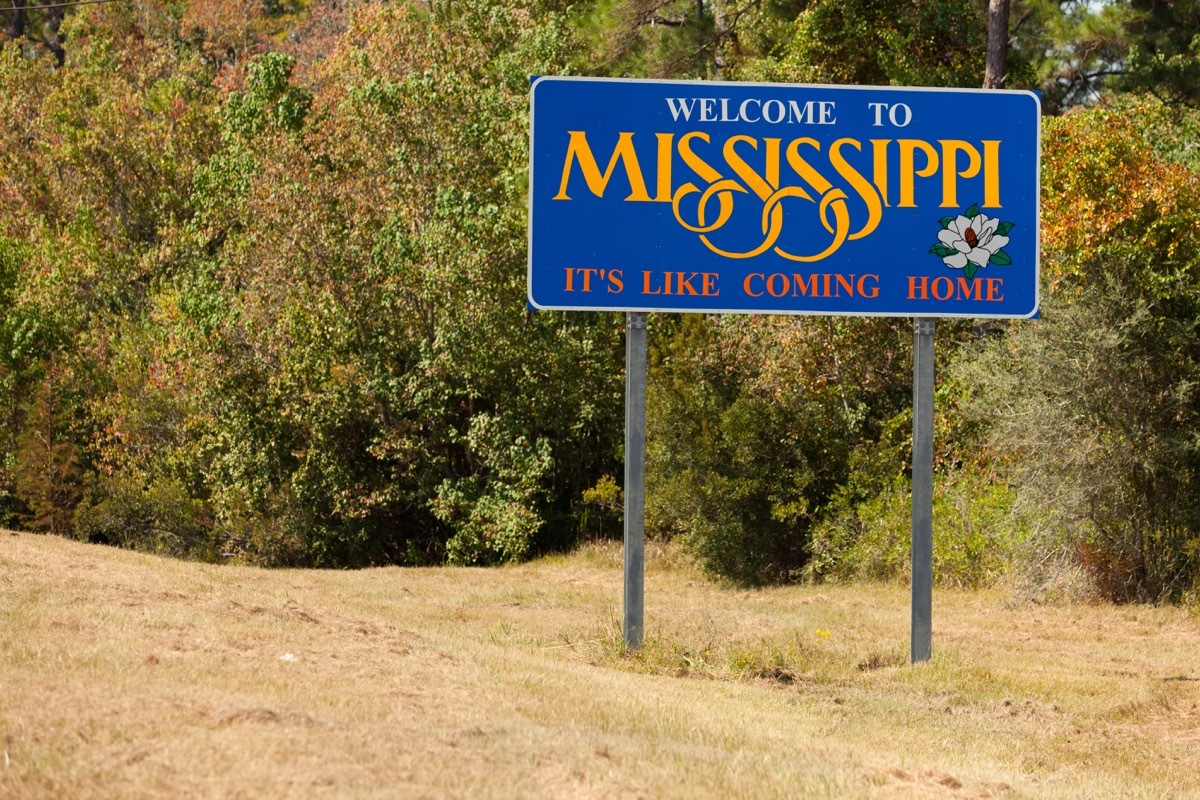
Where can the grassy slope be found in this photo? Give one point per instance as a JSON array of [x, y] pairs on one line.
[[123, 675]]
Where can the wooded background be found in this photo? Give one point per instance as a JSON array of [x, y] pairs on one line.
[[262, 281]]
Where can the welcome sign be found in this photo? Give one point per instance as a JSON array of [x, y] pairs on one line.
[[751, 198]]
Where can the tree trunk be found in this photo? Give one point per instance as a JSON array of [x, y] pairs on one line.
[[16, 26], [720, 35], [53, 40], [997, 45]]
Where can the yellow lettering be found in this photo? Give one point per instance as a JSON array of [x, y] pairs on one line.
[[950, 171], [663, 192], [991, 173], [756, 183], [880, 148], [803, 168], [693, 161], [860, 184], [909, 171], [578, 151]]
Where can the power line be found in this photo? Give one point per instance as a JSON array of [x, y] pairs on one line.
[[15, 7]]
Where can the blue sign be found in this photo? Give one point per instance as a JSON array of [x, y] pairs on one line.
[[768, 198]]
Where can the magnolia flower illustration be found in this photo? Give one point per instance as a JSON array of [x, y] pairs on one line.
[[972, 240]]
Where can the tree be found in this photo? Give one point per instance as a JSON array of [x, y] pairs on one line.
[[42, 25], [1097, 402], [1164, 50], [360, 381]]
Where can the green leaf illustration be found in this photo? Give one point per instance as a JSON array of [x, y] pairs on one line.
[[970, 269], [945, 222], [1003, 228], [1001, 259], [972, 212], [941, 251]]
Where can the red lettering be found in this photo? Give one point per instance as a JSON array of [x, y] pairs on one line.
[[616, 281], [913, 287], [685, 284], [587, 278], [646, 274], [869, 291], [805, 289]]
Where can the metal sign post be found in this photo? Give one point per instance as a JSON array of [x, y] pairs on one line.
[[922, 490], [635, 476]]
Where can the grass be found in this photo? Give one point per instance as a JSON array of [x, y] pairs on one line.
[[125, 675]]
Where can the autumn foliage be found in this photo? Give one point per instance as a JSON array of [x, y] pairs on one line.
[[262, 297]]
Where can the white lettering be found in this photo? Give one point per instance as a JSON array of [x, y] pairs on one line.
[[681, 105], [798, 115], [753, 109], [742, 110], [899, 114]]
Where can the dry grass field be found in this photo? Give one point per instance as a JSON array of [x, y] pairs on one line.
[[128, 676]]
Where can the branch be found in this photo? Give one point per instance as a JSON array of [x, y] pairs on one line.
[[59, 5]]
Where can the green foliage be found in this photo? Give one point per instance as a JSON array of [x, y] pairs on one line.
[[1098, 401], [270, 97], [740, 461], [272, 307], [603, 507], [878, 42], [1164, 51], [1172, 130], [975, 533], [650, 38], [159, 518], [493, 515], [350, 371], [1103, 420]]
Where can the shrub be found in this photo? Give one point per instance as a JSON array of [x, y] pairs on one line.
[[975, 533], [1099, 403], [158, 518]]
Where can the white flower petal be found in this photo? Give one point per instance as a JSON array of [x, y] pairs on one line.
[[979, 256], [949, 237], [994, 244], [988, 226], [955, 261], [963, 223]]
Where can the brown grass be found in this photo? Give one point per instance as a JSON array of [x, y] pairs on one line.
[[124, 675]]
